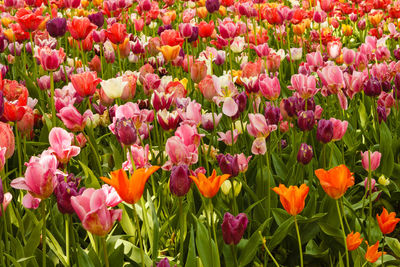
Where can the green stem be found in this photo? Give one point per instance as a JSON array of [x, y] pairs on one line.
[[104, 243], [266, 249], [344, 233], [67, 243], [94, 152], [181, 233], [44, 234], [18, 141], [139, 233], [213, 225], [383, 249], [53, 107], [369, 195], [233, 250], [344, 216], [298, 238]]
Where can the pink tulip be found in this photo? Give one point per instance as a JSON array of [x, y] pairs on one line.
[[2, 157], [39, 178], [332, 78], [72, 119], [6, 201], [375, 160], [50, 59], [355, 82], [339, 128], [112, 197], [262, 50], [227, 30], [60, 145], [304, 85], [314, 60], [227, 137], [226, 90], [334, 49], [140, 157], [192, 115], [207, 121], [349, 56], [260, 129], [270, 87], [93, 212], [319, 16], [243, 162]]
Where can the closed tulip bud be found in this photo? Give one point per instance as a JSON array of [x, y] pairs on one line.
[[7, 139], [195, 34], [353, 17], [198, 71], [305, 154], [373, 158], [212, 5], [396, 52], [228, 164], [319, 16], [97, 19], [361, 24], [226, 188], [306, 120], [179, 182], [284, 144], [164, 263], [145, 5], [325, 131], [125, 131], [65, 190], [56, 27], [272, 114], [233, 228], [372, 87], [381, 114]]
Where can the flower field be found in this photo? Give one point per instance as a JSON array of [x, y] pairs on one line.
[[199, 133]]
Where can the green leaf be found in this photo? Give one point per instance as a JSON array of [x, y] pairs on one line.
[[13, 260], [363, 114], [133, 252], [249, 251], [281, 233], [56, 248], [393, 244], [314, 218], [116, 258], [330, 230], [279, 166], [387, 161], [156, 227], [206, 246], [191, 258], [83, 258], [312, 249], [34, 240], [280, 215], [91, 180]]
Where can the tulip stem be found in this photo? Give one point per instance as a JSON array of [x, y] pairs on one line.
[[3, 215], [67, 243], [233, 250], [53, 107], [44, 234], [266, 248], [104, 243], [383, 247], [139, 233], [344, 233], [369, 195], [344, 216], [181, 222], [298, 238], [213, 225]]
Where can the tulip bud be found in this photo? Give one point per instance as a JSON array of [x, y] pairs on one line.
[[65, 190], [305, 154], [319, 16], [195, 34], [325, 131], [44, 82], [56, 27], [372, 87], [97, 19], [233, 228], [145, 5], [361, 24], [272, 114], [226, 188], [381, 114], [284, 144], [396, 52], [368, 158], [373, 183], [353, 17], [125, 131], [306, 120], [212, 5], [179, 182], [382, 180], [228, 164], [164, 263]]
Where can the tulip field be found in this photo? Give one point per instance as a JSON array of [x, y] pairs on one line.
[[199, 133]]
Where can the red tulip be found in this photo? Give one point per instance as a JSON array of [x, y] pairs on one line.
[[29, 20], [116, 33], [79, 28], [85, 83]]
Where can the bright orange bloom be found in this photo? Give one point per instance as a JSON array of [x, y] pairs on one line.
[[292, 198], [353, 241], [335, 181], [372, 254], [387, 221], [130, 189], [169, 52], [209, 187]]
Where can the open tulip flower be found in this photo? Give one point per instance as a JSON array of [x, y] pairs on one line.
[[132, 104]]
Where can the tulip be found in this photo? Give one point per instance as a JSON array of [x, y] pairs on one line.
[[353, 241], [60, 145], [161, 100], [114, 87], [168, 120], [80, 28], [72, 119], [382, 115], [305, 154], [334, 49], [270, 88], [319, 16], [2, 158], [208, 120], [198, 71], [306, 120], [325, 131], [56, 27], [7, 139], [339, 128], [65, 190], [179, 183], [163, 263], [212, 5], [207, 88], [5, 199], [375, 159], [349, 56], [170, 52], [116, 33], [93, 212], [29, 21], [97, 19], [233, 228], [50, 59], [372, 254], [226, 188], [272, 114], [387, 221], [227, 137], [206, 29], [335, 181], [228, 164], [372, 87], [130, 189], [292, 198], [125, 131], [85, 83], [209, 187]]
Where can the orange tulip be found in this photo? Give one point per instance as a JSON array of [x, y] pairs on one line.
[[209, 187], [372, 254], [130, 189], [353, 241], [292, 198], [169, 52], [335, 181], [387, 221]]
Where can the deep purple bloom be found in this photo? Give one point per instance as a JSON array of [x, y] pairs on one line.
[[195, 34], [325, 131], [97, 19], [228, 164], [179, 182], [289, 105], [396, 53], [381, 113], [56, 27], [3, 43], [212, 5], [233, 228], [372, 87], [65, 190], [305, 154], [164, 28], [125, 131], [306, 120], [272, 114]]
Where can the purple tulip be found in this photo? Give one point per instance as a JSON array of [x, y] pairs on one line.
[[396, 53], [305, 154], [56, 27], [289, 105], [65, 190], [233, 228], [325, 131], [272, 114], [212, 5], [179, 182], [3, 43], [125, 131], [97, 19], [306, 120], [195, 34], [372, 87], [228, 164], [381, 113]]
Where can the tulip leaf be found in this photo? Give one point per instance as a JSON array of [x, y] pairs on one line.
[[281, 232], [56, 248], [13, 260], [84, 259], [249, 251], [330, 230], [363, 114], [116, 255], [280, 215], [206, 247], [279, 166], [91, 180], [34, 240], [387, 160], [191, 257], [156, 227], [312, 249], [393, 244]]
